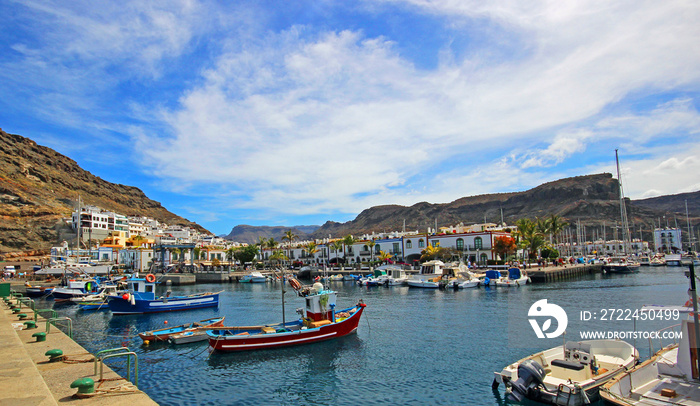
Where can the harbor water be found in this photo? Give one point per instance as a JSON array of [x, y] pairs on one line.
[[413, 346]]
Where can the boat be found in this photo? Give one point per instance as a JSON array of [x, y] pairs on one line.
[[37, 291], [319, 321], [395, 276], [673, 259], [429, 277], [570, 374], [253, 277], [335, 278], [76, 288], [516, 277], [490, 277], [670, 376], [93, 305], [140, 297], [350, 277], [164, 334], [620, 265], [657, 260], [644, 260]]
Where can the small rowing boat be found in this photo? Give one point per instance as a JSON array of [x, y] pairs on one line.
[[164, 334]]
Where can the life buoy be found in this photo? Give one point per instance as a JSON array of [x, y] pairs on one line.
[[294, 284], [150, 278]]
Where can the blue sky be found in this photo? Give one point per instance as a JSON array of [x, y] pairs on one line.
[[298, 112]]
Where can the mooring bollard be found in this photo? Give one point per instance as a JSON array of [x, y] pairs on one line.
[[54, 355], [84, 385], [40, 336]]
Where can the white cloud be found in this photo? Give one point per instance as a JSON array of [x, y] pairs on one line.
[[324, 121]]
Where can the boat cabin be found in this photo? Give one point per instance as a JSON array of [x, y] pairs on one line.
[[321, 306], [515, 273], [434, 267], [142, 288]]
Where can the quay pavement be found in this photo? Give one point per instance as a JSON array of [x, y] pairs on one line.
[[28, 378]]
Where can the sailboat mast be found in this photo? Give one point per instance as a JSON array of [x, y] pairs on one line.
[[623, 210]]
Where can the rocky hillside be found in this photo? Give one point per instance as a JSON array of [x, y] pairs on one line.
[[39, 188], [592, 200], [251, 234]]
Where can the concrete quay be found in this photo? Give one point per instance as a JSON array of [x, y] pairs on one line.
[[27, 377], [558, 273]]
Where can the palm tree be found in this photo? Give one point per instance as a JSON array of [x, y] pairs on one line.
[[278, 256], [348, 241], [371, 245], [384, 256], [271, 243], [430, 252], [230, 254], [312, 248], [529, 236], [556, 226], [289, 236], [336, 246], [262, 243]]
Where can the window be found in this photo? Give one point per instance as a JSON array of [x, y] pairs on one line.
[[396, 248], [421, 243], [409, 244], [435, 243], [478, 243], [377, 249], [460, 244]]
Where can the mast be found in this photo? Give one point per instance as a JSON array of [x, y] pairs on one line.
[[623, 211]]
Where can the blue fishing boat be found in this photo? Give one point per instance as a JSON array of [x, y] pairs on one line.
[[140, 297]]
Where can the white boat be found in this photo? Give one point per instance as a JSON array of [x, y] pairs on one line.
[[253, 277], [567, 375], [644, 260], [515, 278], [621, 265], [673, 259], [100, 296], [658, 260], [670, 376], [337, 277], [431, 273], [395, 276]]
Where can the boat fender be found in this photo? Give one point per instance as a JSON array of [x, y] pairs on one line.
[[487, 281], [132, 300], [150, 278]]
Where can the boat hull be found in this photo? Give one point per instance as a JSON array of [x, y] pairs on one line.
[[621, 268], [219, 340], [39, 291], [164, 334], [120, 306]]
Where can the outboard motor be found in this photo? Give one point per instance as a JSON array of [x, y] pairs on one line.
[[530, 376]]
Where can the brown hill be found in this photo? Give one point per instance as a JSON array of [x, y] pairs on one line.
[[39, 188], [592, 200]]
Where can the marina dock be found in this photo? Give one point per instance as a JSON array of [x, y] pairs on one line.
[[558, 273], [28, 377]]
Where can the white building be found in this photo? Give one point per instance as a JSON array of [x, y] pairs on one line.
[[668, 240]]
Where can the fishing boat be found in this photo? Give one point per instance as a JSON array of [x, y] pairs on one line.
[[37, 291], [253, 277], [164, 334], [140, 297], [76, 288], [319, 321], [516, 277], [571, 374], [430, 276]]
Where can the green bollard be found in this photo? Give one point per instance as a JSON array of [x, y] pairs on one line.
[[16, 310], [29, 325], [21, 316], [40, 336], [54, 355], [84, 385]]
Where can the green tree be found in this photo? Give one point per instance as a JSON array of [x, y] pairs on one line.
[[289, 236], [384, 256], [230, 255], [311, 249], [371, 245], [529, 237], [336, 247], [278, 257], [348, 241], [556, 226], [246, 254], [430, 252]]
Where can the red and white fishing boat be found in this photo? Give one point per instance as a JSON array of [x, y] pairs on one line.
[[320, 321]]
